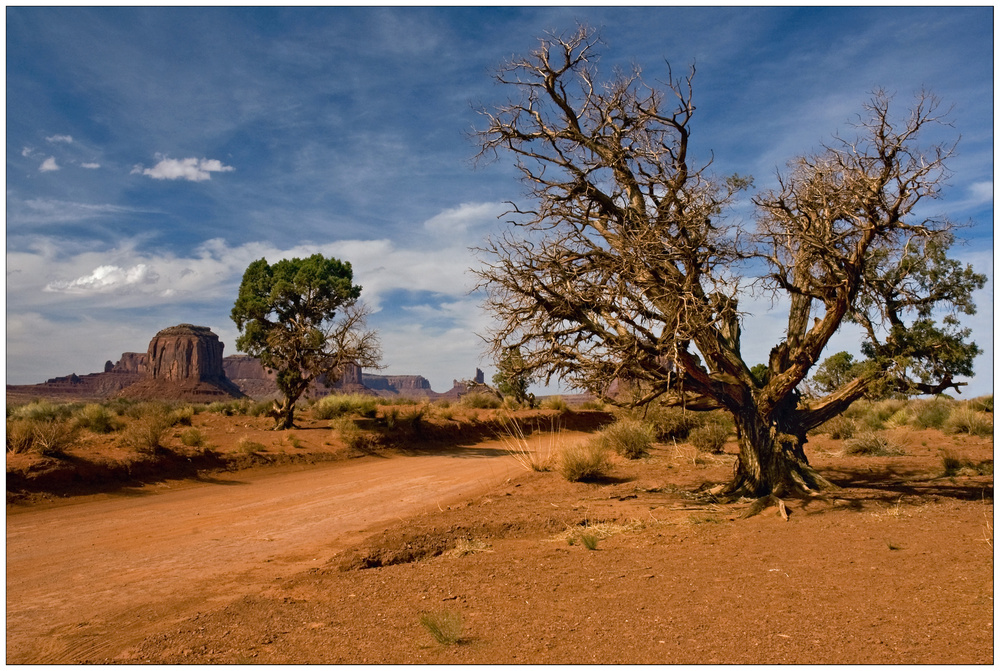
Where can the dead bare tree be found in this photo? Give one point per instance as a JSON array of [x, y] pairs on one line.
[[623, 266]]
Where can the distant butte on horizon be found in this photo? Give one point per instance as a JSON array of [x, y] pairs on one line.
[[185, 362]]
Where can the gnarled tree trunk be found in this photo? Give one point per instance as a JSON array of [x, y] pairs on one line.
[[772, 463]]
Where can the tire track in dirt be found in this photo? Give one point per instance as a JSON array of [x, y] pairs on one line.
[[87, 581]]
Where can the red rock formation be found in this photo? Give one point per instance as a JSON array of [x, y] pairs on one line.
[[131, 362], [185, 353], [184, 362]]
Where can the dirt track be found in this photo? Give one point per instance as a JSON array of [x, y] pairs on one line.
[[91, 578]]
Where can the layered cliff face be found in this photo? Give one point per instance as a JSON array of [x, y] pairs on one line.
[[185, 353], [184, 362]]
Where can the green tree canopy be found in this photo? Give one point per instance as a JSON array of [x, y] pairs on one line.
[[302, 319]]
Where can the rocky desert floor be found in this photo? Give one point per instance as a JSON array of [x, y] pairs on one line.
[[310, 551]]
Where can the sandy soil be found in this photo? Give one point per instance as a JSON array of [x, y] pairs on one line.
[[337, 563]]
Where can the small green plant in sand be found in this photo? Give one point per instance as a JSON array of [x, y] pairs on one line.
[[444, 626]]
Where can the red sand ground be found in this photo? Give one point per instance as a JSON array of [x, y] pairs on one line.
[[265, 565]]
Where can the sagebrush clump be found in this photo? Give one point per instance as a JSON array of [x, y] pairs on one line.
[[584, 461], [339, 405], [629, 438]]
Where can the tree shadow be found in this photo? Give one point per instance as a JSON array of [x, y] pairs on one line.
[[890, 485]]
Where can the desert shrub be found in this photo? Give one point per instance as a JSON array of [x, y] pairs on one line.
[[398, 400], [339, 405], [46, 437], [972, 422], [391, 418], [670, 423], [951, 463], [596, 404], [584, 461], [181, 416], [479, 400], [630, 438], [589, 540], [511, 403], [709, 438], [556, 403], [874, 415], [443, 403], [414, 419], [352, 435], [44, 411], [899, 419], [51, 438], [248, 445], [840, 428], [445, 627], [932, 413], [97, 418], [145, 434], [872, 444], [20, 435], [256, 408], [981, 403], [192, 437]]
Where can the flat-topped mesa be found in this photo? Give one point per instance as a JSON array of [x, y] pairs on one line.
[[185, 353], [184, 362]]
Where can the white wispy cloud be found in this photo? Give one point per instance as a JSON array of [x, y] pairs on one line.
[[49, 165], [42, 211], [90, 166], [190, 169], [68, 139], [107, 279]]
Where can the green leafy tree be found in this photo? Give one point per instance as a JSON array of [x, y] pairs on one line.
[[302, 319], [510, 379], [836, 371], [624, 266]]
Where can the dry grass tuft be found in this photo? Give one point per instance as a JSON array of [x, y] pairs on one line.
[[585, 461], [444, 626], [517, 445]]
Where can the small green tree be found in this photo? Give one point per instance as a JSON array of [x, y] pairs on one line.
[[511, 380], [302, 319], [836, 371]]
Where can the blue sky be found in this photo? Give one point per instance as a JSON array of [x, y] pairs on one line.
[[152, 154]]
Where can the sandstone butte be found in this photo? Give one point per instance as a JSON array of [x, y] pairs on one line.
[[186, 362]]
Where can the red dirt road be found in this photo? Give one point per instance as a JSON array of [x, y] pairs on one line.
[[88, 579]]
